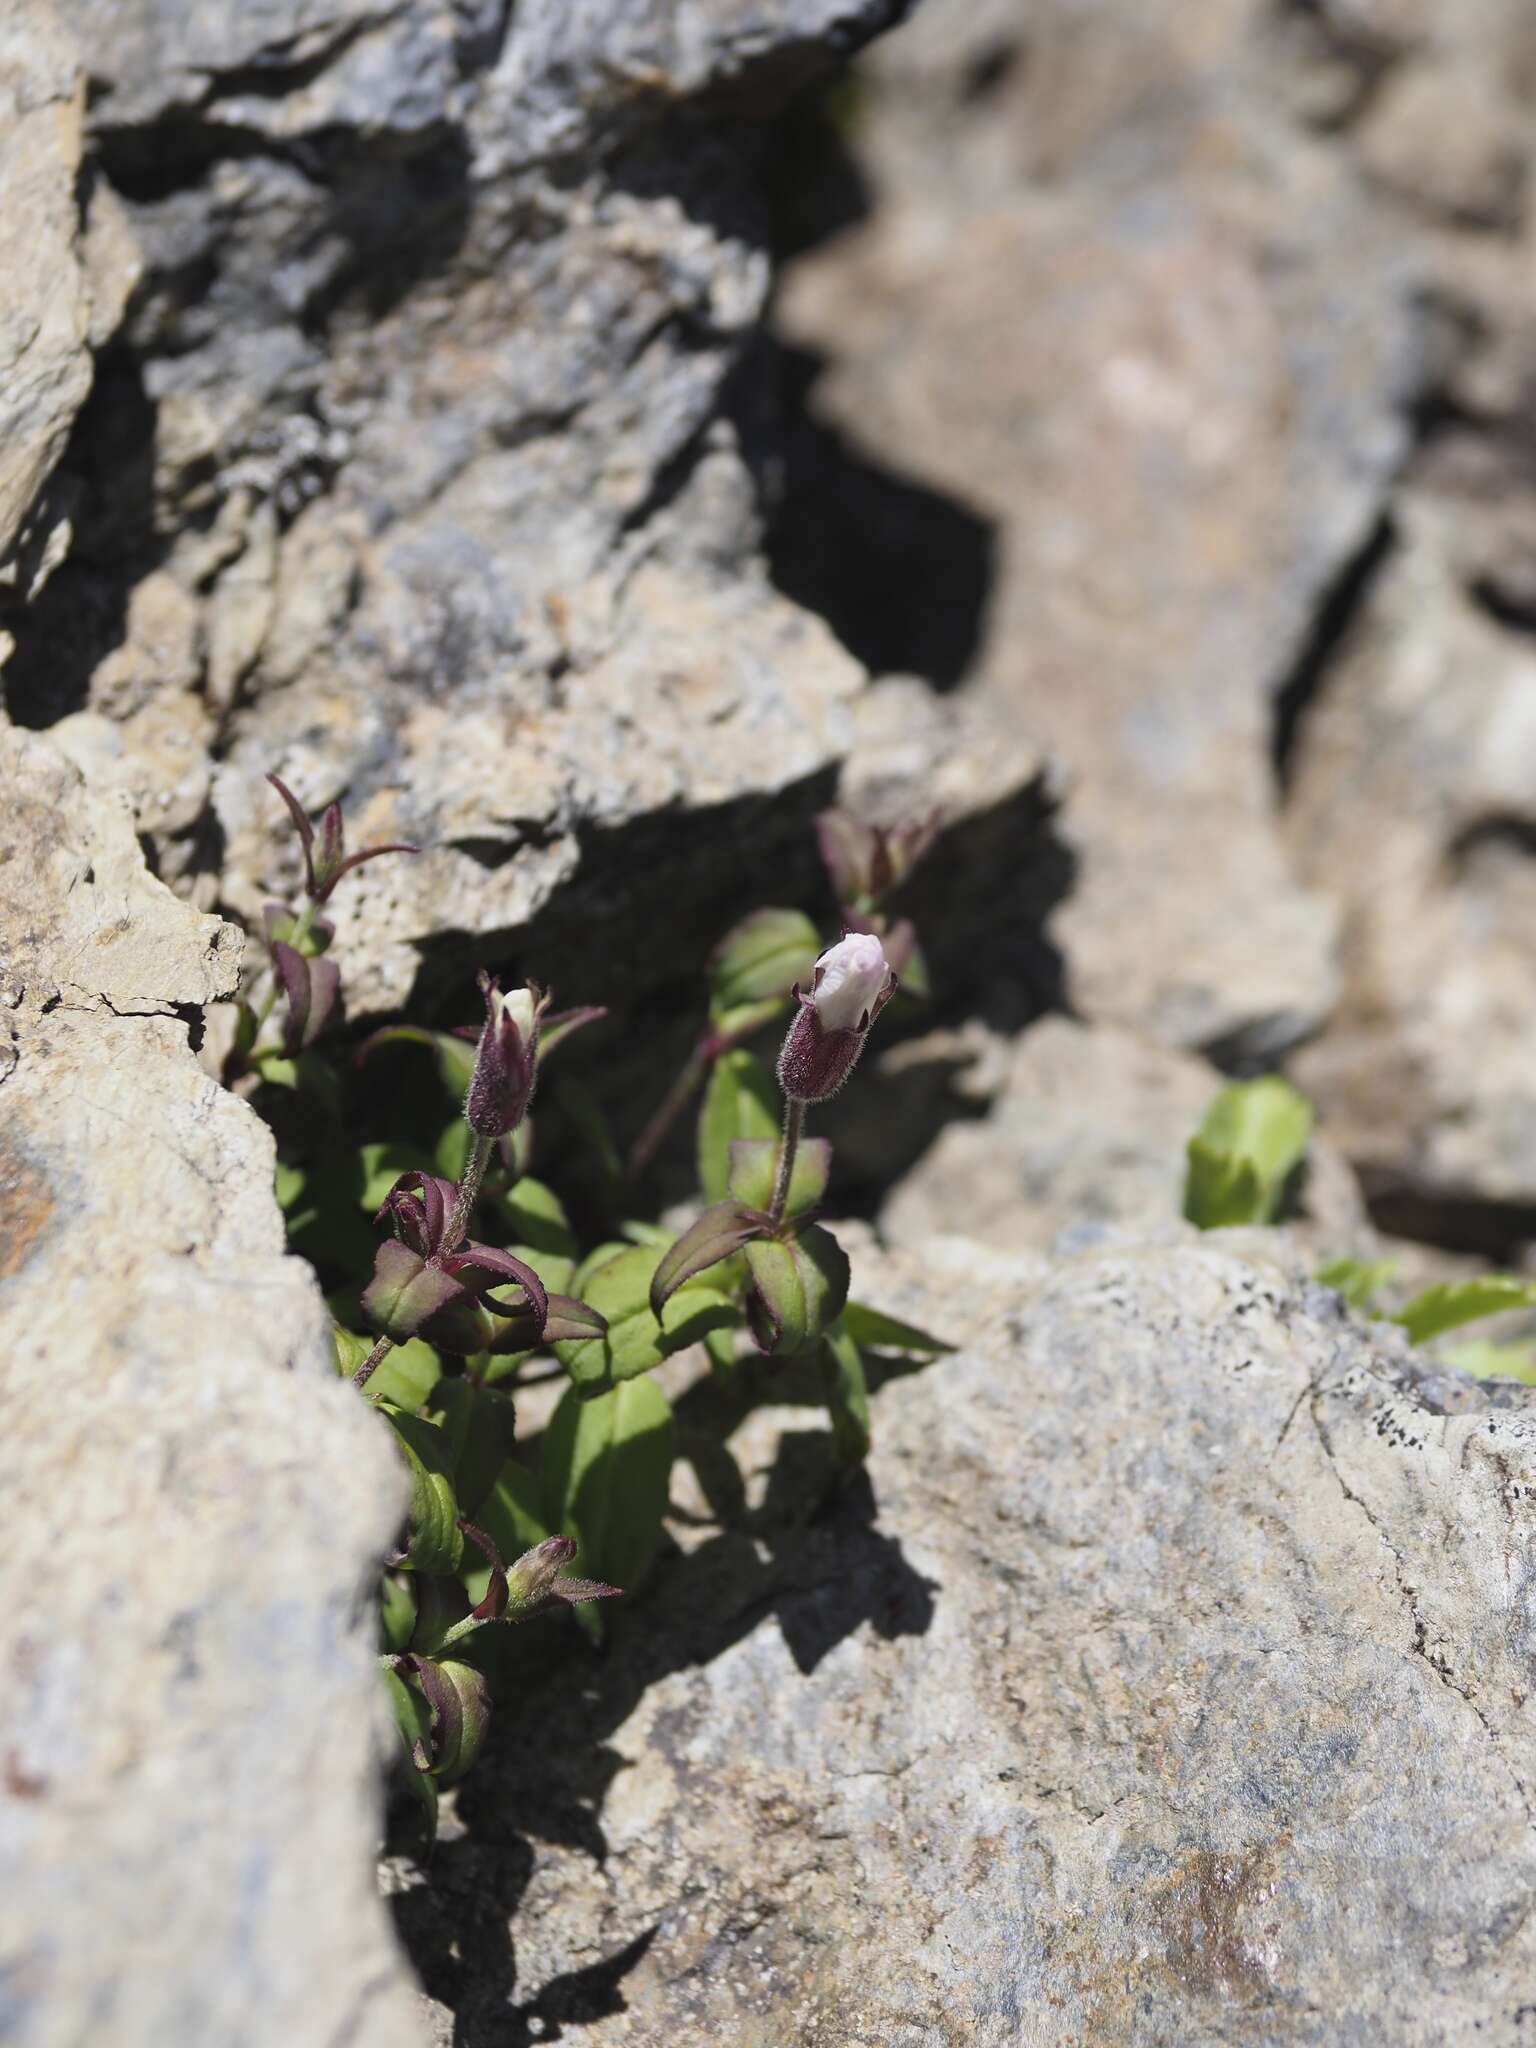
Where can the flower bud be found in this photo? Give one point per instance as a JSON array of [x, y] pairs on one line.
[[536, 1578], [506, 1062], [850, 987]]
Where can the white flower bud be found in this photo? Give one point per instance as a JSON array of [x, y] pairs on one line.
[[850, 979]]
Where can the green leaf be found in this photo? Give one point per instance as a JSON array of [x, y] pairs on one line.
[[914, 975], [1219, 1190], [799, 1289], [847, 1395], [635, 1341], [607, 1468], [755, 1164], [512, 1517], [599, 1256], [289, 1186], [1455, 1302], [454, 1057], [435, 1542], [720, 1344], [1487, 1360], [413, 1720], [761, 958], [405, 1376], [478, 1425], [1358, 1280], [646, 1233], [450, 1150], [533, 1222], [740, 1101], [1250, 1141], [718, 1234], [379, 1167], [875, 1330], [397, 1610]]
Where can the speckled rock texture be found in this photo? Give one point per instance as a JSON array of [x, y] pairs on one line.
[[409, 475], [1168, 1681], [68, 264], [187, 1768]]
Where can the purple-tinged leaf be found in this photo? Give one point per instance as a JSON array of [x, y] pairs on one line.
[[574, 1591], [493, 1604], [714, 1236], [302, 826], [485, 1266], [355, 860], [556, 1029], [405, 1292]]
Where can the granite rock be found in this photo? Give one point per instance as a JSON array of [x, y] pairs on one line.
[[68, 267], [1113, 303], [1168, 1681], [1411, 802], [417, 422], [1084, 1135], [188, 1790]]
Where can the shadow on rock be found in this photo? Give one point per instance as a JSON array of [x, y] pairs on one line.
[[901, 572], [798, 1542]]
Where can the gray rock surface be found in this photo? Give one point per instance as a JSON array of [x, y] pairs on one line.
[[187, 1802], [417, 464], [1412, 802], [1169, 1683], [1085, 1135], [1215, 324], [68, 266], [1116, 304]]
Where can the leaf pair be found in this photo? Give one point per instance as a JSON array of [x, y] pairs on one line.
[[1242, 1159], [616, 1284]]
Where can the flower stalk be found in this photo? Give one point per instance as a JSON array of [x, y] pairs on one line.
[[789, 1145]]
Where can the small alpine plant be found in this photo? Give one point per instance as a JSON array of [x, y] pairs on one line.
[[477, 1281]]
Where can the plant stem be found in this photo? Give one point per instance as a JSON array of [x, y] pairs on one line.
[[673, 1103], [469, 1191], [789, 1145], [372, 1362], [301, 932]]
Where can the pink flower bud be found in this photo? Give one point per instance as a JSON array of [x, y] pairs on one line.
[[506, 1061], [850, 987]]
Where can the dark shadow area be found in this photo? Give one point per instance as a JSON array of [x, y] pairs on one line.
[[1499, 832], [901, 572], [402, 219], [647, 906], [106, 478], [1333, 621], [647, 903], [1454, 1219], [815, 185], [456, 1929], [810, 1555]]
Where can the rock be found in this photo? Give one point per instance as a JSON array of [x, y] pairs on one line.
[[1411, 802], [1085, 1137], [1158, 343], [421, 419], [1167, 1682], [68, 265], [188, 1772]]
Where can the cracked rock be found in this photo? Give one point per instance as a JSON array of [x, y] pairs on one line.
[[187, 1768], [1168, 1682]]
